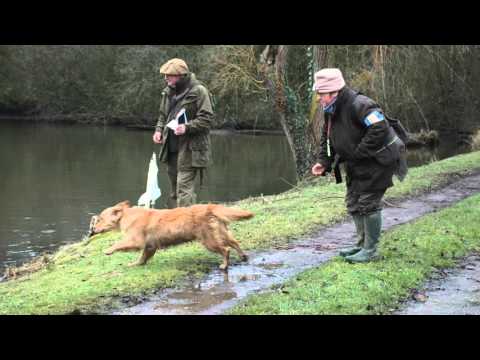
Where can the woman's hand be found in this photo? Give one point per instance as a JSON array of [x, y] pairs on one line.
[[318, 170]]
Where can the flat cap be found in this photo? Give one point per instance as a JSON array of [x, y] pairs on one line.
[[174, 67]]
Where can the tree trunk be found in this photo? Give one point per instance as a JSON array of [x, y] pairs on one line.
[[280, 96], [302, 131], [316, 118], [273, 61], [320, 53]]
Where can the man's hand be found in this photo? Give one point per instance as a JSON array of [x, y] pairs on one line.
[[181, 130], [157, 138], [318, 170]]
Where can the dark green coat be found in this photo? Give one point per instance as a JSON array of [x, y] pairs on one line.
[[194, 149], [356, 144]]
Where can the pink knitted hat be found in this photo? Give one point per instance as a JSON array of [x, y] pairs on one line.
[[328, 80]]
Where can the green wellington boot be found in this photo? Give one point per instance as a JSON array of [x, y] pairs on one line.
[[373, 228], [360, 226]]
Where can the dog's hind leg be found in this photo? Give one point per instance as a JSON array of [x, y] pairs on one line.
[[216, 247], [148, 252], [213, 239], [234, 244], [222, 250]]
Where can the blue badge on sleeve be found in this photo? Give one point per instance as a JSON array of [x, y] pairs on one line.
[[373, 118]]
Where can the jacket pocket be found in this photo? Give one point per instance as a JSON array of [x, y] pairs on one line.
[[199, 142], [200, 148], [200, 158]]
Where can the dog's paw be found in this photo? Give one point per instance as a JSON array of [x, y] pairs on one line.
[[137, 263], [223, 267]]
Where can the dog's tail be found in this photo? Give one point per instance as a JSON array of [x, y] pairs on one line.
[[229, 214]]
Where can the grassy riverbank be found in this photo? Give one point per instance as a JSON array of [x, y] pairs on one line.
[[80, 277], [410, 254]]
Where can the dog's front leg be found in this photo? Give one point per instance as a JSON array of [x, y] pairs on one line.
[[129, 244], [148, 252]]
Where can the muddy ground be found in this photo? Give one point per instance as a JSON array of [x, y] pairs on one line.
[[217, 291]]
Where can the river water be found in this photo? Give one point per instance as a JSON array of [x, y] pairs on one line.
[[55, 177]]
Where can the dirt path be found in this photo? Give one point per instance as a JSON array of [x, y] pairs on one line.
[[450, 292], [218, 292]]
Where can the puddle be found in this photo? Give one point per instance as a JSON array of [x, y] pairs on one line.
[[452, 292], [219, 291], [271, 266], [194, 300]]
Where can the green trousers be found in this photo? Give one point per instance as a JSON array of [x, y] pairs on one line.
[[182, 183], [364, 203]]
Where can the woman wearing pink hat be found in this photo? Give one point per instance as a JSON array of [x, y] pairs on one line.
[[357, 133]]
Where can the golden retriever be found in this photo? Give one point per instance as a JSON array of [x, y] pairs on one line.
[[150, 230]]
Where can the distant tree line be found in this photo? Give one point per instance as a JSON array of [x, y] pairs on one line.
[[426, 86]]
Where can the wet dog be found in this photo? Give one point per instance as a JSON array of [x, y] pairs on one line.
[[151, 230]]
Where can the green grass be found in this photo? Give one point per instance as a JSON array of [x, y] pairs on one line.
[[410, 254], [80, 277]]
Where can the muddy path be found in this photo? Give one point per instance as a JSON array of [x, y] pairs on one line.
[[449, 292], [217, 292]]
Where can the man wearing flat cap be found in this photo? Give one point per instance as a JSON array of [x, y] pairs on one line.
[[357, 133], [183, 129]]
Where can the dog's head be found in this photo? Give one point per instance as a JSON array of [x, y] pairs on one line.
[[109, 219]]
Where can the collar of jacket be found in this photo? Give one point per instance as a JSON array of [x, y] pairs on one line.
[[344, 96], [182, 84]]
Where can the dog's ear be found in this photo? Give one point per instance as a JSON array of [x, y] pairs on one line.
[[123, 204], [117, 213]]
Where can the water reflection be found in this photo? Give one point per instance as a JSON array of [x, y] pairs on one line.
[[426, 155]]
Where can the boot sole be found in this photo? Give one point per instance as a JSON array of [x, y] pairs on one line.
[[373, 259], [350, 254]]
